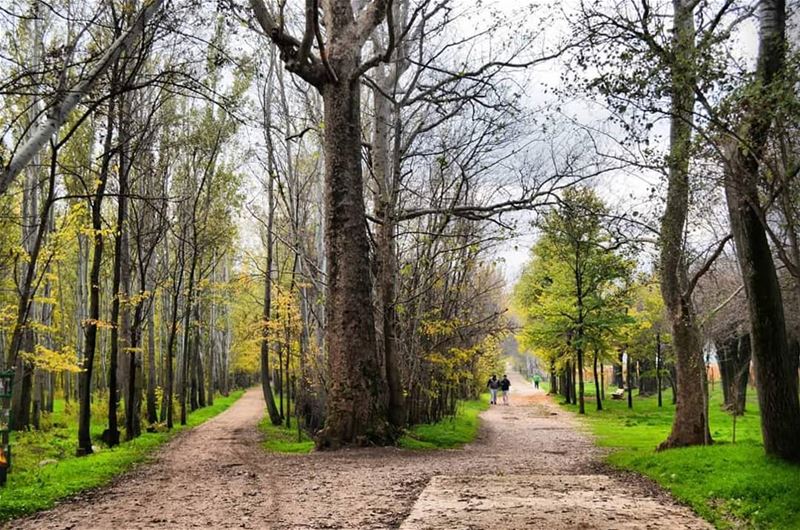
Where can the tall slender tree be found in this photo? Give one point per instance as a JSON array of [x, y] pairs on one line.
[[776, 366]]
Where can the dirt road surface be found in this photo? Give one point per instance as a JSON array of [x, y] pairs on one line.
[[531, 467]]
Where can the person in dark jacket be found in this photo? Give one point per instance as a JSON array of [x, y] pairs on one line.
[[493, 385], [505, 385]]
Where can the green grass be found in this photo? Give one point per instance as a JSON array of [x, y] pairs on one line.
[[280, 439], [730, 485], [448, 433], [32, 487]]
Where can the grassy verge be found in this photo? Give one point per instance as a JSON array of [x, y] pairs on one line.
[[45, 470], [733, 485], [449, 433], [281, 439]]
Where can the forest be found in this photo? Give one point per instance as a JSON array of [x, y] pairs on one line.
[[365, 208]]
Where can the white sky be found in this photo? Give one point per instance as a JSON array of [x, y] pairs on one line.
[[620, 189]]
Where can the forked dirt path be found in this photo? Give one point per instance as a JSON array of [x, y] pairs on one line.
[[530, 468]]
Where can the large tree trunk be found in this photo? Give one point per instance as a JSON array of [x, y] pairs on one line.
[[357, 398], [775, 366], [133, 394], [212, 345], [81, 291], [690, 387], [690, 424], [84, 418]]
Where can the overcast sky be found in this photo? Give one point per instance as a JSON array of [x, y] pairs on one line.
[[624, 189]]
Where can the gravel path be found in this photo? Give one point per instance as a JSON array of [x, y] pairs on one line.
[[530, 468]]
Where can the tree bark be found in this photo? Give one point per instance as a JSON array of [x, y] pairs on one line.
[[602, 381], [357, 398], [775, 366], [169, 387], [690, 424], [187, 323], [198, 360], [573, 383]]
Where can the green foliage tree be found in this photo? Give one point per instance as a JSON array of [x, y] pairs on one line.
[[574, 291], [647, 336]]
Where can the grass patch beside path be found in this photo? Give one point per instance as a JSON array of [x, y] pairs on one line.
[[32, 487], [281, 439], [730, 485], [450, 432]]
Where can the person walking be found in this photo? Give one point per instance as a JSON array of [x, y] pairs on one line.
[[505, 385], [536, 380], [493, 385]]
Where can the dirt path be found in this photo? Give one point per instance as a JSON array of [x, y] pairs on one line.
[[530, 468]]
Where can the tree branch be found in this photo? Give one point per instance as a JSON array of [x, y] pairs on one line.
[[707, 265], [296, 55], [369, 18]]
